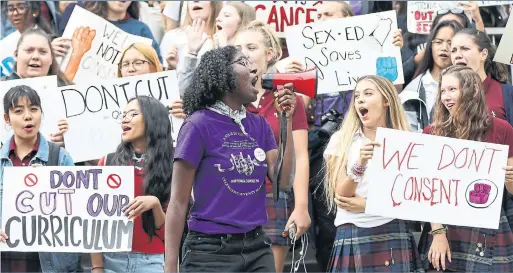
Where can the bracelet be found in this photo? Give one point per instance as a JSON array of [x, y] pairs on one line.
[[97, 267], [358, 170], [438, 231]]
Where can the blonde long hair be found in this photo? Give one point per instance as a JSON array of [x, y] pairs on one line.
[[215, 8], [149, 54], [270, 39], [336, 165]]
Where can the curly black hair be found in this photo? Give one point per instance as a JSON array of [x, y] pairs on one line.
[[212, 79]]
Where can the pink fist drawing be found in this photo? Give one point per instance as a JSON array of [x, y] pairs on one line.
[[480, 194]]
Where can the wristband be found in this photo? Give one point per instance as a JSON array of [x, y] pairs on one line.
[[438, 231], [97, 267]]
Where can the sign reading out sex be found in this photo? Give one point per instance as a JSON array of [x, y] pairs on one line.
[[67, 209], [96, 47], [422, 13], [436, 179], [96, 110], [345, 49]]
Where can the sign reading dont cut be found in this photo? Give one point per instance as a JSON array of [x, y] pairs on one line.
[[67, 209]]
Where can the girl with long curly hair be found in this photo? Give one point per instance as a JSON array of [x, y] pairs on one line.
[[374, 104], [147, 145], [224, 155], [462, 112]]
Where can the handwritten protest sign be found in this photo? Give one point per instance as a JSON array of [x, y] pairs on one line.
[[8, 46], [45, 87], [436, 179], [96, 48], [422, 13], [67, 209], [345, 49], [504, 52], [94, 111], [283, 14]]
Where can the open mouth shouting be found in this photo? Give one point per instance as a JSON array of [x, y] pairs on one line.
[[364, 112], [34, 65], [126, 128], [219, 27], [29, 128], [460, 62], [197, 8], [444, 56]]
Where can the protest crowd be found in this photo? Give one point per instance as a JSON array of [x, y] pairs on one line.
[[236, 136]]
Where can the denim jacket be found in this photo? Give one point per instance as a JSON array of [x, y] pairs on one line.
[[50, 262]]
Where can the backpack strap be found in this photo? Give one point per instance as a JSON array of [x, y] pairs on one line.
[[53, 155]]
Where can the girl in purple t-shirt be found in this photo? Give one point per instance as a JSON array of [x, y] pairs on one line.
[[224, 155]]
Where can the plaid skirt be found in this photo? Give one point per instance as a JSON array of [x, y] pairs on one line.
[[387, 248], [474, 249], [278, 214]]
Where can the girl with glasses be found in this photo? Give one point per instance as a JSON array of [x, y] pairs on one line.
[[146, 145], [140, 59], [223, 156]]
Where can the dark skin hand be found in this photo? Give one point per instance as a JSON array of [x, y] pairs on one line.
[[184, 173]]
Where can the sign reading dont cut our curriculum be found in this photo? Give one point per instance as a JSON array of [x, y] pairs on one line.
[[67, 209]]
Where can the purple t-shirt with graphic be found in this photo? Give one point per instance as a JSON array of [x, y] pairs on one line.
[[229, 192]]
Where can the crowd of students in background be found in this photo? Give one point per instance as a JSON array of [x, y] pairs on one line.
[[219, 51]]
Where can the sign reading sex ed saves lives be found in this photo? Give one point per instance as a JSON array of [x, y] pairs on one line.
[[436, 179], [67, 209], [345, 49]]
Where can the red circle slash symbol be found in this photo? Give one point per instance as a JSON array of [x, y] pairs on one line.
[[30, 180], [114, 181]]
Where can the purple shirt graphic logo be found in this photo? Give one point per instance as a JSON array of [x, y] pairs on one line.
[[229, 196]]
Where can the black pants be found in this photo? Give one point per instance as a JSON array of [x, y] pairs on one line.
[[249, 252]]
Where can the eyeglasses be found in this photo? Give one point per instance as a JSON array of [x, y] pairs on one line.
[[244, 61], [21, 8], [124, 116], [137, 64], [446, 11]]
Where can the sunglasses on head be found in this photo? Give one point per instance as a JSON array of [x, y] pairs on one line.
[[453, 11]]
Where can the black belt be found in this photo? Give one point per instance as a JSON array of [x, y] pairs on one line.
[[250, 234]]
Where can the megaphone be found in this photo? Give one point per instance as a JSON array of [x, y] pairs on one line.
[[304, 82]]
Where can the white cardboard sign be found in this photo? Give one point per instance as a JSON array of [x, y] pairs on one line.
[[94, 111], [283, 14], [8, 46], [345, 49], [45, 87], [422, 13], [96, 47], [67, 209], [436, 179], [504, 52]]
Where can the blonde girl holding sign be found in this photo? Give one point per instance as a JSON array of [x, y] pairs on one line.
[[462, 112], [374, 104]]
